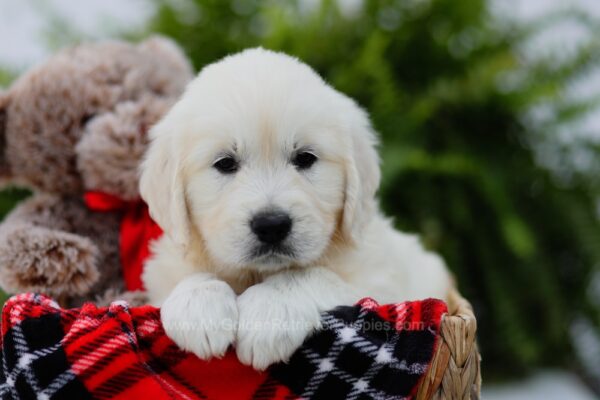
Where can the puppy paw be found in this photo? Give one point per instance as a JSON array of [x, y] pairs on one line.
[[200, 316], [271, 328]]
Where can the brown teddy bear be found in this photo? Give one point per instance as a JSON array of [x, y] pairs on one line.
[[73, 127]]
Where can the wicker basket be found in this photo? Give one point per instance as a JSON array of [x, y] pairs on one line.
[[454, 371]]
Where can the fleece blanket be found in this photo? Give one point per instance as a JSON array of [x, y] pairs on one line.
[[365, 351]]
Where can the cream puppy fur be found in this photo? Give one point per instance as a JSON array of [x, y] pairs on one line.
[[263, 178]]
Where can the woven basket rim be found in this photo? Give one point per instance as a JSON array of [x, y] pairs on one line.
[[454, 372]]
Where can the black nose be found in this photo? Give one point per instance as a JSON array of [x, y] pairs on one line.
[[271, 227]]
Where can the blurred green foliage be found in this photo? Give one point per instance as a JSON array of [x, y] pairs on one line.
[[5, 77], [449, 90]]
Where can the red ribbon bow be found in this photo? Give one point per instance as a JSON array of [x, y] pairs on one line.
[[138, 229]]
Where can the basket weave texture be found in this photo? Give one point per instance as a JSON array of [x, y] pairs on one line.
[[455, 369]]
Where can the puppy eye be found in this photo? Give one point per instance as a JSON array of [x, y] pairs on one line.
[[226, 165], [304, 160]]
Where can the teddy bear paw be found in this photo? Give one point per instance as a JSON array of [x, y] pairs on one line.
[[52, 262]]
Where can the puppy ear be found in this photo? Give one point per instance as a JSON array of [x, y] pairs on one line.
[[4, 167], [162, 186], [362, 176]]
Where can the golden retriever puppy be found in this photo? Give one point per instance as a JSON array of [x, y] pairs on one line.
[[263, 178]]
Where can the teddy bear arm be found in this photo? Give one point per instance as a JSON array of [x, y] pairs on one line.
[[38, 252]]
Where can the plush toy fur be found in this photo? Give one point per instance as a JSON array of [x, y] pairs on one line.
[[78, 123]]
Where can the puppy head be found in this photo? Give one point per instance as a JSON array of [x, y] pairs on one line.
[[260, 164]]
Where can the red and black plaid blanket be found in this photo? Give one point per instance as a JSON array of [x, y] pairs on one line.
[[366, 351]]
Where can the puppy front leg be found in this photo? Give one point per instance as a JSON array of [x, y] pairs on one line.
[[277, 315], [200, 315]]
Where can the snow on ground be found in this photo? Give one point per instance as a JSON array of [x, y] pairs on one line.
[[547, 385]]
